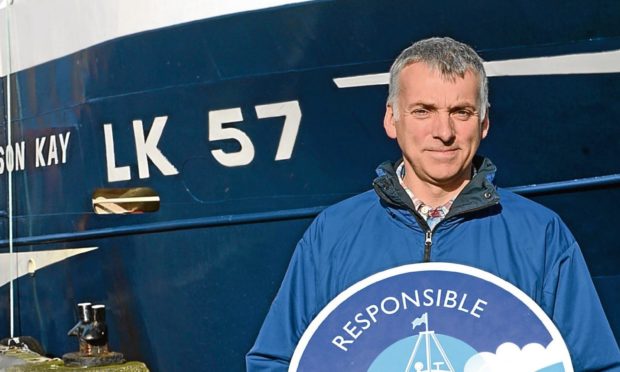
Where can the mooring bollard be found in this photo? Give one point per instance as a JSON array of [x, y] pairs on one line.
[[92, 334]]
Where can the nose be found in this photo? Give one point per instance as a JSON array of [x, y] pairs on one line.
[[443, 127]]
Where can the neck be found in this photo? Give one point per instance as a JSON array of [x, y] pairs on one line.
[[435, 193]]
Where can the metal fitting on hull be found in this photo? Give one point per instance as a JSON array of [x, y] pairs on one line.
[[92, 333]]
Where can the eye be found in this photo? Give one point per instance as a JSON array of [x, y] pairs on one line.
[[463, 114], [420, 113]]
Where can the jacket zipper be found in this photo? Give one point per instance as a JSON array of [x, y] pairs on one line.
[[428, 243], [428, 235]]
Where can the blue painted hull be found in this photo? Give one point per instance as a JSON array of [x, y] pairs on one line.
[[190, 284]]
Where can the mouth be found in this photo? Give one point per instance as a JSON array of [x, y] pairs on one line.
[[447, 151], [443, 153]]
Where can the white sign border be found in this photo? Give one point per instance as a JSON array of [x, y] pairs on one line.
[[419, 267]]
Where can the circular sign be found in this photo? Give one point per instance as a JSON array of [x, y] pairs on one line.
[[432, 317]]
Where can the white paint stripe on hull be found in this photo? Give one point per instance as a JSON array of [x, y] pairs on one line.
[[363, 80], [585, 63], [29, 261]]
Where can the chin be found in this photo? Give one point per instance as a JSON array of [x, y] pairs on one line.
[[448, 178]]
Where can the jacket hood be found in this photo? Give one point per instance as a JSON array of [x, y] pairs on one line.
[[478, 194]]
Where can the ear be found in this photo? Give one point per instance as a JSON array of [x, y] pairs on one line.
[[484, 125], [389, 122]]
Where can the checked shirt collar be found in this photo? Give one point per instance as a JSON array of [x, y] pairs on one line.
[[431, 215]]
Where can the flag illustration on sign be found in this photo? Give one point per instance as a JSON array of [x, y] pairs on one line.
[[419, 321]]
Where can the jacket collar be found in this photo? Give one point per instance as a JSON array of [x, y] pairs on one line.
[[478, 194]]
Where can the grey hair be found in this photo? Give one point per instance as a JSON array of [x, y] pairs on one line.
[[448, 56]]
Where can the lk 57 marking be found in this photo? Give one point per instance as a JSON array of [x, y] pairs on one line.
[[147, 147]]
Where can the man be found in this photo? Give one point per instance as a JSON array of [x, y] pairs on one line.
[[439, 204]]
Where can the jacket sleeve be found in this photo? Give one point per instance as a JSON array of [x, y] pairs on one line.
[[571, 300], [291, 311]]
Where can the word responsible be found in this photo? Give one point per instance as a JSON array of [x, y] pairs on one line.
[[390, 305]]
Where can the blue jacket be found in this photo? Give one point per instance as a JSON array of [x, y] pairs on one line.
[[379, 229]]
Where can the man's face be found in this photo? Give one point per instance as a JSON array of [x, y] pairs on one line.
[[438, 126]]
